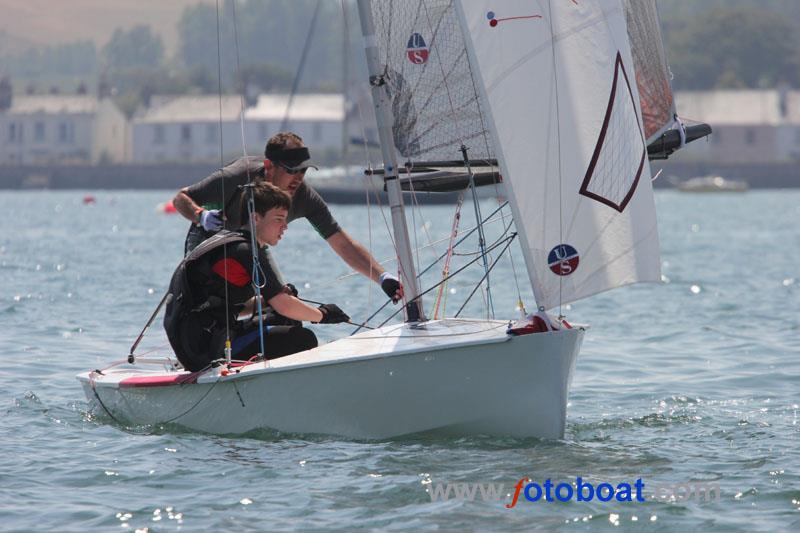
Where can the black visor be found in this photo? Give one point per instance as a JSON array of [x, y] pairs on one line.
[[292, 158]]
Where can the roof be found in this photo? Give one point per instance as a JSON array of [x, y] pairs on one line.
[[739, 107], [197, 108], [53, 104], [304, 107]]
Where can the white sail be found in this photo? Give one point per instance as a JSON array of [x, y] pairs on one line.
[[558, 81]]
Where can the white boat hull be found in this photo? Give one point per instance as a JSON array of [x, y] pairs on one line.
[[456, 376]]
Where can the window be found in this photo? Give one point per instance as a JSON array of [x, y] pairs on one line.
[[716, 137], [38, 131], [797, 136], [317, 132], [66, 132], [186, 133], [158, 134], [211, 133], [262, 131], [750, 136], [12, 132]]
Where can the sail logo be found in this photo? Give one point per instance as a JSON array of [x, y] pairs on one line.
[[417, 49], [494, 21], [563, 260]]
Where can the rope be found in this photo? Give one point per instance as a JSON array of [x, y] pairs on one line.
[[446, 267]]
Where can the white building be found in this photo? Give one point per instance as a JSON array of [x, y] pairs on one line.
[[187, 128], [62, 129], [749, 126], [317, 118]]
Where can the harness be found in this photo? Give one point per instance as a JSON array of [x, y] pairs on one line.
[[187, 316]]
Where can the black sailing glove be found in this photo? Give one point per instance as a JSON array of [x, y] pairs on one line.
[[391, 286], [331, 314]]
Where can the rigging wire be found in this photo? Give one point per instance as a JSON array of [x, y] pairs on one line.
[[508, 243], [478, 217], [300, 67], [224, 203], [464, 234], [426, 291], [257, 272]]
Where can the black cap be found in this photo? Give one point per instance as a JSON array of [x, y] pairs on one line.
[[293, 158]]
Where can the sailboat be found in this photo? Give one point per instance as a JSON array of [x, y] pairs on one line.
[[549, 96]]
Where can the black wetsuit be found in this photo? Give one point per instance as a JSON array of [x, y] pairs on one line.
[[197, 318], [208, 193]]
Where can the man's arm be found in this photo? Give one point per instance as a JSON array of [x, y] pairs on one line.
[[355, 255], [186, 206]]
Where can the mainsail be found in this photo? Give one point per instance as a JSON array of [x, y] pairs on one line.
[[650, 64], [560, 86], [435, 104]]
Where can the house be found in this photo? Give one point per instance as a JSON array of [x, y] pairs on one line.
[[750, 126], [203, 128], [187, 128], [62, 129], [317, 118]]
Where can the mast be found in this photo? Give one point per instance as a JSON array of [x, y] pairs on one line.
[[380, 98]]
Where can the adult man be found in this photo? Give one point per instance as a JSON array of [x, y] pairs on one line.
[[213, 290], [208, 204]]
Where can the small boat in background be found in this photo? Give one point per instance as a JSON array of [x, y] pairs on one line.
[[712, 184]]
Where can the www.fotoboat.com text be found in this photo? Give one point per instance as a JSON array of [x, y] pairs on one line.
[[580, 490]]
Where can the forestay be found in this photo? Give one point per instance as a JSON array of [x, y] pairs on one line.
[[559, 84]]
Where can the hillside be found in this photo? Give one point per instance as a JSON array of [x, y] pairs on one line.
[[53, 22]]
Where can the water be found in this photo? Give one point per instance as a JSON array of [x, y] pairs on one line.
[[694, 380]]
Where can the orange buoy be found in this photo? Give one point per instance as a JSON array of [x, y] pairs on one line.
[[166, 208]]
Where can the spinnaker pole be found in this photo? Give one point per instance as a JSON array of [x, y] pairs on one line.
[[380, 98]]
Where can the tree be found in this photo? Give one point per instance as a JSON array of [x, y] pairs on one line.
[[736, 47], [135, 48]]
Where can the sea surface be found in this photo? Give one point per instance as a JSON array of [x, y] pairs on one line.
[[692, 381]]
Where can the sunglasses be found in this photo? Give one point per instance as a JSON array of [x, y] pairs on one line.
[[292, 170]]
